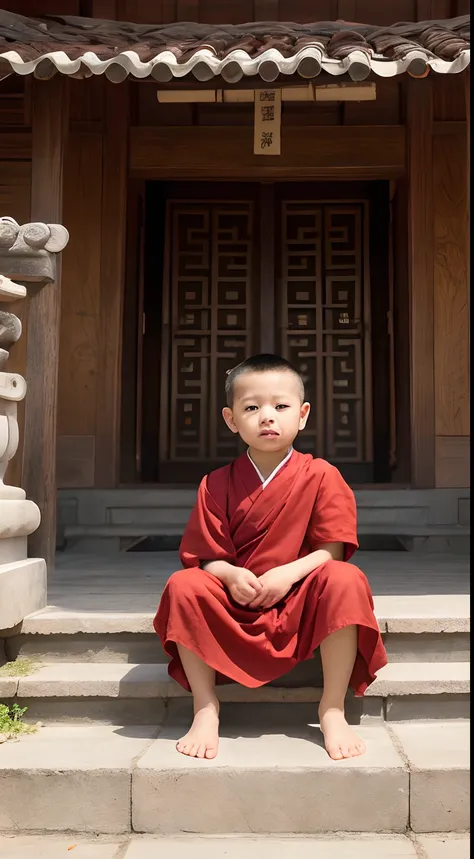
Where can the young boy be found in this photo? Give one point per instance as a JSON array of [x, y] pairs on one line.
[[266, 579]]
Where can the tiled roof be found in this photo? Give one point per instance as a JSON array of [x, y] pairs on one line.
[[81, 47]]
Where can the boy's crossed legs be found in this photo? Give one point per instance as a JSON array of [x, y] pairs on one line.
[[338, 653]]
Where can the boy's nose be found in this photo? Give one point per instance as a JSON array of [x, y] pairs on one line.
[[266, 417]]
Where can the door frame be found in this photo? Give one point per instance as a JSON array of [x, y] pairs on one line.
[[329, 191]]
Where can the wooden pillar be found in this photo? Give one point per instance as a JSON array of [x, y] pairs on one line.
[[50, 111], [467, 91], [421, 280], [112, 279]]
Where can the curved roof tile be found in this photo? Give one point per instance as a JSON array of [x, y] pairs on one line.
[[82, 47]]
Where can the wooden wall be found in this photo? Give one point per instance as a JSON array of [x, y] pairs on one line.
[[451, 288], [93, 275], [94, 211], [95, 180]]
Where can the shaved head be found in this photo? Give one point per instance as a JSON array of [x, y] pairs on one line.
[[260, 364]]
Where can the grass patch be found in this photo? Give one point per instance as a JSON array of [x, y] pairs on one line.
[[20, 667], [11, 722]]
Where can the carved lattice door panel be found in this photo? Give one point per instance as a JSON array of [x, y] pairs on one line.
[[208, 329], [325, 326]]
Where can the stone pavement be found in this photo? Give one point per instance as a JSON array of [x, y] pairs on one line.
[[235, 847]]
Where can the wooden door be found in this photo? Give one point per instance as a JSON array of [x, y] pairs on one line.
[[219, 306], [209, 326], [325, 326]]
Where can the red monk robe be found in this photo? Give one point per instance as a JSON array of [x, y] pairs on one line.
[[236, 520]]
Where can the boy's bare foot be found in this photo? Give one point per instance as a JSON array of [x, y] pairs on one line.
[[339, 738], [202, 739]]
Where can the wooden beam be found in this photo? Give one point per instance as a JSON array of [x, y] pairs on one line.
[[50, 108], [112, 276], [227, 152], [421, 281]]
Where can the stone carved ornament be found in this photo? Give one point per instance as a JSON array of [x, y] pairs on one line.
[[12, 385], [28, 252]]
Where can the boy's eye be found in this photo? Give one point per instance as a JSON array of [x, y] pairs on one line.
[[250, 408], [282, 406]]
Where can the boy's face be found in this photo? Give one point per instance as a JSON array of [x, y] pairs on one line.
[[267, 411]]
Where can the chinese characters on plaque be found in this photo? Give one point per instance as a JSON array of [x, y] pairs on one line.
[[267, 122]]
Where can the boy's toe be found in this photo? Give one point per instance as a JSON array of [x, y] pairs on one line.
[[211, 753], [335, 752]]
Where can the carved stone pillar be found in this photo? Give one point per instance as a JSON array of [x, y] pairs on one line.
[[28, 254]]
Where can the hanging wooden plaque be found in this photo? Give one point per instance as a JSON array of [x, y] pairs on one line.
[[267, 122]]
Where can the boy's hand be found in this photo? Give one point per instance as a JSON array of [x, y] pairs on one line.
[[243, 585], [275, 585]]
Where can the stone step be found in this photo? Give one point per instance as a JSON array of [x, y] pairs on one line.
[[415, 629], [276, 780], [379, 505], [145, 647], [173, 529], [448, 846], [120, 692]]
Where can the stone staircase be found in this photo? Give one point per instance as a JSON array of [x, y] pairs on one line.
[[113, 520], [105, 764], [110, 668]]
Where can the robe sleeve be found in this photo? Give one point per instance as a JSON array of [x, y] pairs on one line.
[[334, 516], [207, 536]]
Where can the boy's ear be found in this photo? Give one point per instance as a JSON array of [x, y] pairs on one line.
[[304, 415], [229, 419]]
